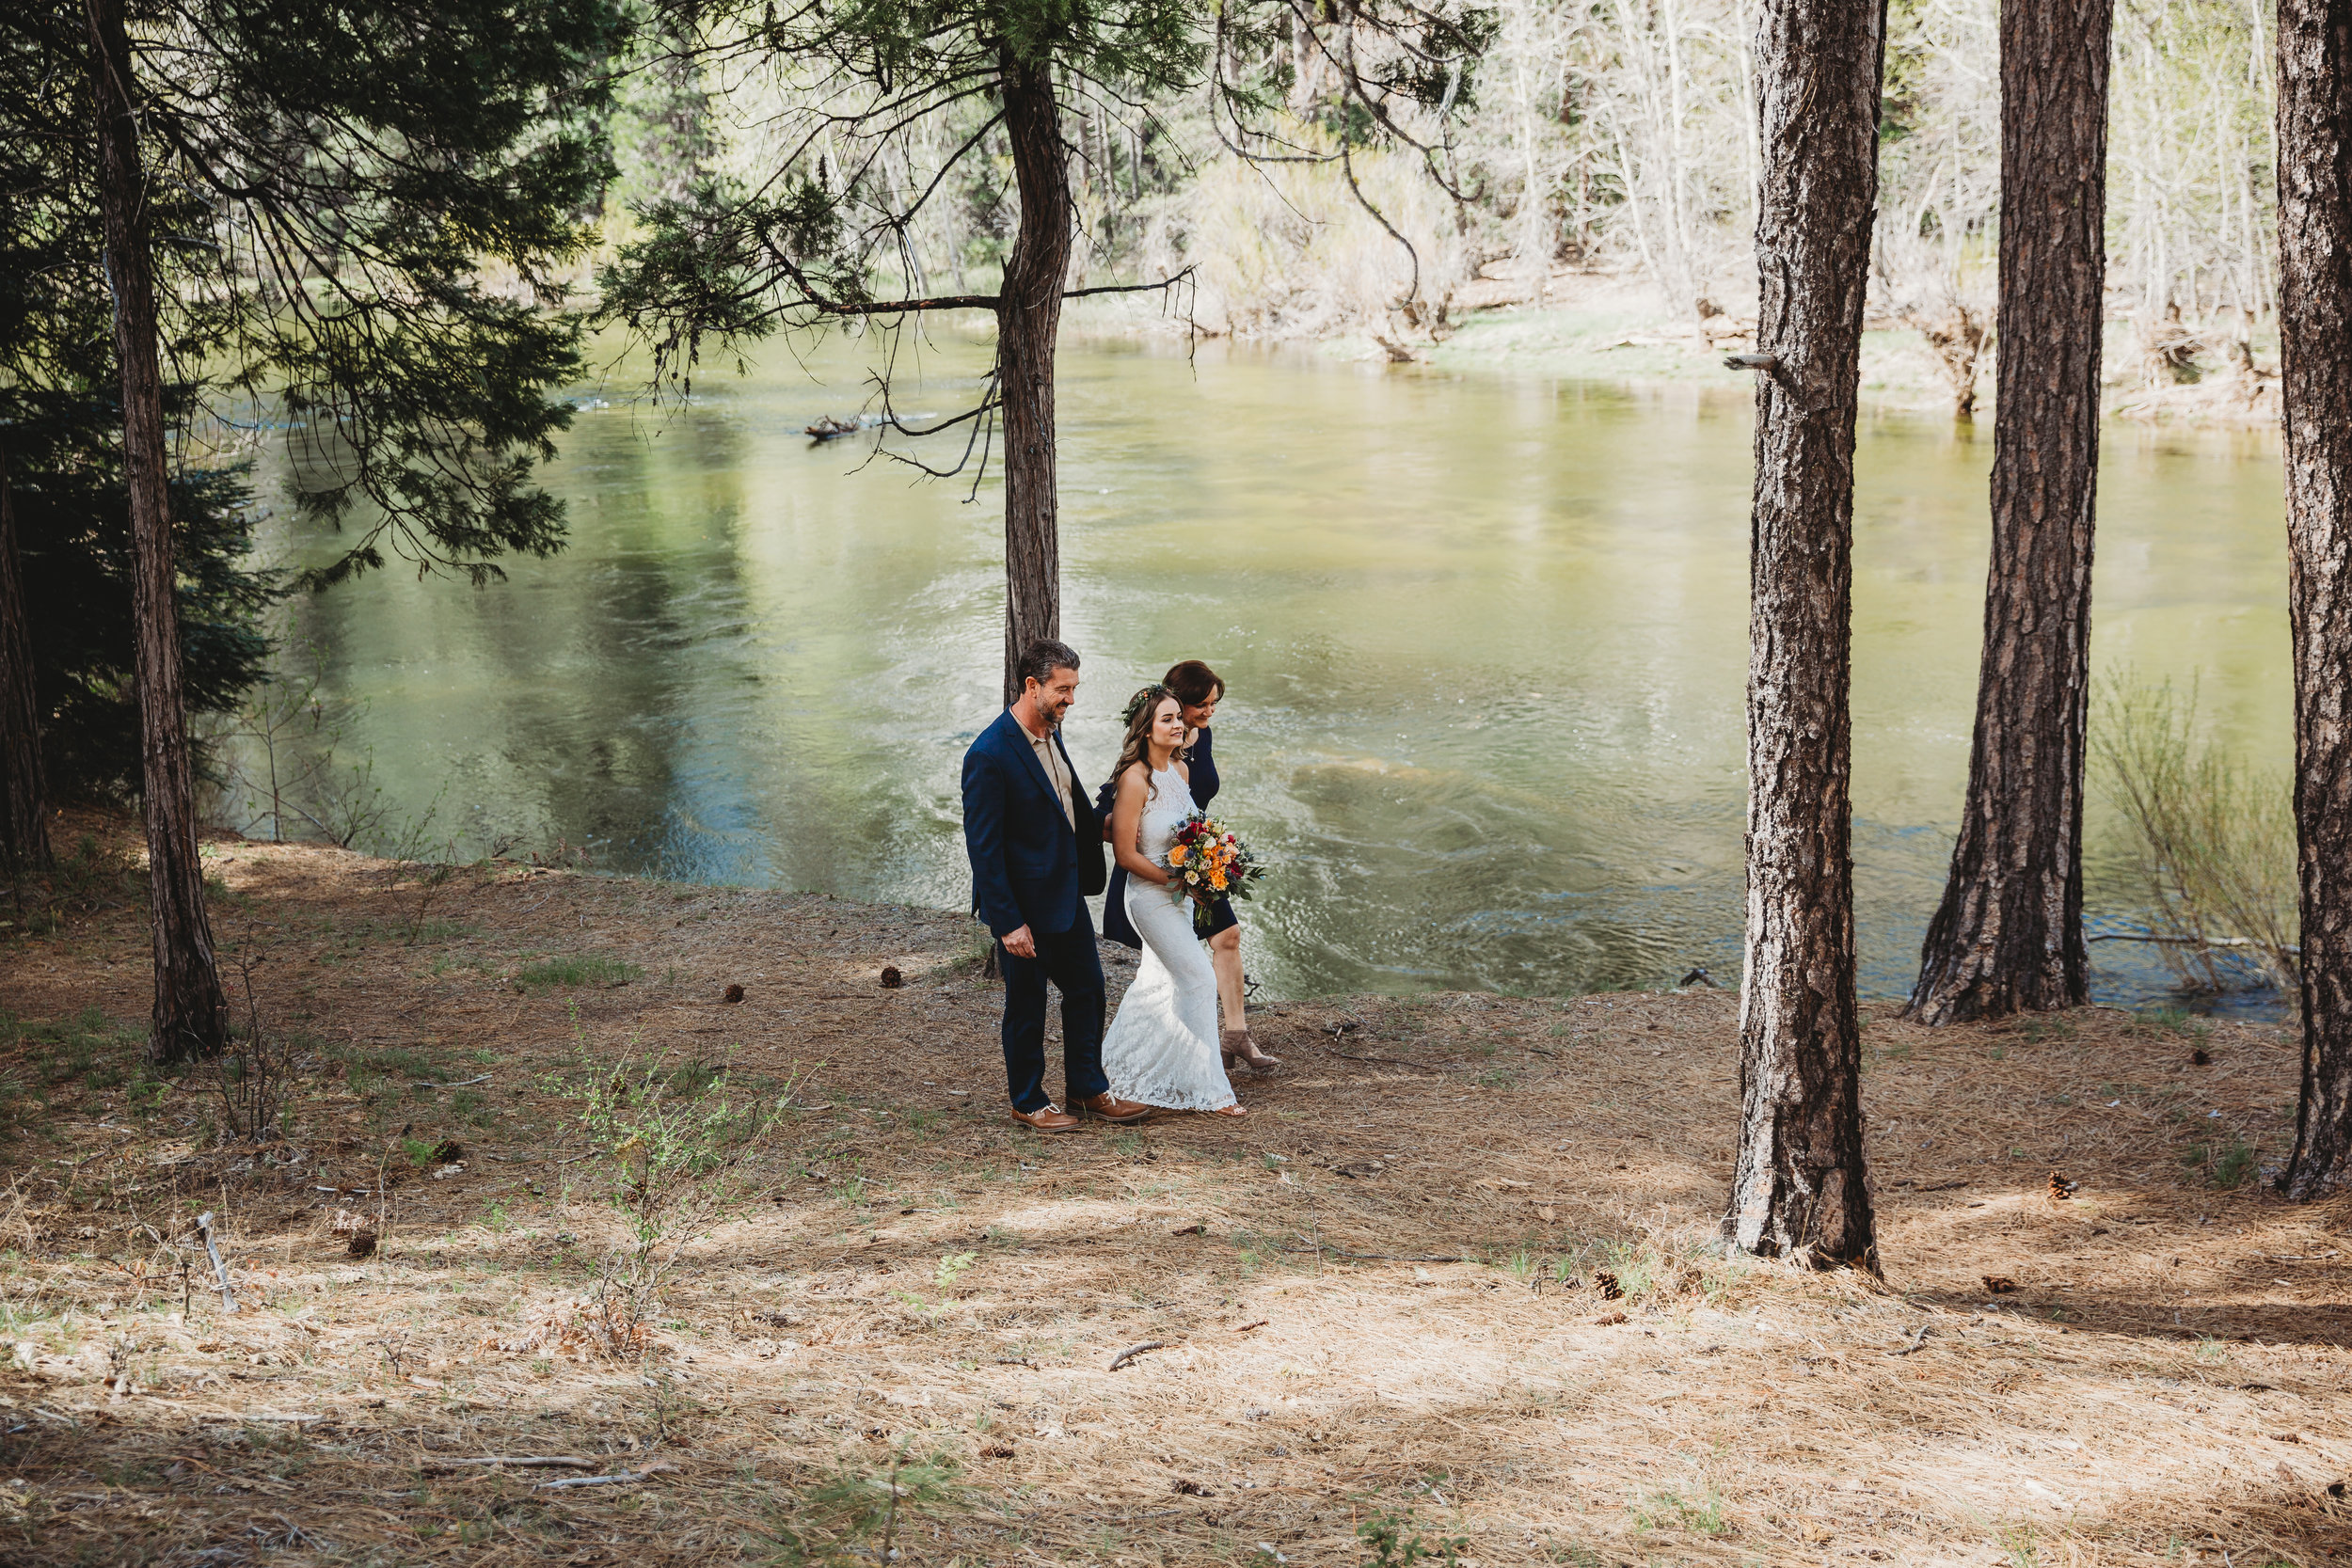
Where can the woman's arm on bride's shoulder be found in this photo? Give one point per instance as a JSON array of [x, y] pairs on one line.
[[1127, 821]]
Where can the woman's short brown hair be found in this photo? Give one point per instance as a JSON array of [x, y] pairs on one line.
[[1192, 682]]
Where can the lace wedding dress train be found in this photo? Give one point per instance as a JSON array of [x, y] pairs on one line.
[[1162, 1047]]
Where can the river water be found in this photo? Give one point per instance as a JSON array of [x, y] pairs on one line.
[[1485, 638]]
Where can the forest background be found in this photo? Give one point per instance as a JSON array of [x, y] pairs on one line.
[[1605, 167]]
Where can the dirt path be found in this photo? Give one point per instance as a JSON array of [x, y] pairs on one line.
[[1450, 1278]]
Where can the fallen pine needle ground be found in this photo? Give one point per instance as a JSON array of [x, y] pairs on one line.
[[1448, 1287]]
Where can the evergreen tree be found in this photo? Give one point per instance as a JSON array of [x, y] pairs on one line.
[[363, 211], [69, 718], [2008, 934], [1799, 1187], [2316, 341]]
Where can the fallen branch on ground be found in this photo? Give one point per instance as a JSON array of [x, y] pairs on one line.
[[645, 1474], [1133, 1351], [549, 1461]]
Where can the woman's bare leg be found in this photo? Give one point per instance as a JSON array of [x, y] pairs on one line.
[[1225, 957]]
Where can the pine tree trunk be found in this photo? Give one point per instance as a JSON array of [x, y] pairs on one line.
[[24, 812], [2316, 343], [1799, 1189], [191, 1010], [2009, 934], [1028, 321]]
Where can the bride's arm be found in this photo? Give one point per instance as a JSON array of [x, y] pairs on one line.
[[1126, 820]]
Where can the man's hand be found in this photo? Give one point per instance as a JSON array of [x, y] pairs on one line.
[[1020, 943]]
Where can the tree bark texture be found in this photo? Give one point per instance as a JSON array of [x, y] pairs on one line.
[[1029, 322], [2008, 936], [191, 1012], [1799, 1189], [24, 812], [2316, 345]]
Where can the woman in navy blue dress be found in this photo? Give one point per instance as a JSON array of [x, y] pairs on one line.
[[1199, 688]]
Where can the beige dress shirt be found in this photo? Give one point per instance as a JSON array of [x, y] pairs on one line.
[[1049, 758]]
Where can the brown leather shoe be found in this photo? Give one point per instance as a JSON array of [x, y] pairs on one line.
[[1048, 1118], [1111, 1108]]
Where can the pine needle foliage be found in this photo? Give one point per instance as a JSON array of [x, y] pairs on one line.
[[364, 216]]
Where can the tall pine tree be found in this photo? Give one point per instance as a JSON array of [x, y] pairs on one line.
[[1799, 1188], [68, 717], [2008, 934], [2316, 341], [366, 211]]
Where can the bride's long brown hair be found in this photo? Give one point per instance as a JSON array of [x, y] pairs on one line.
[[1142, 708]]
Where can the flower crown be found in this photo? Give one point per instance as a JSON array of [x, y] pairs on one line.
[[1144, 699]]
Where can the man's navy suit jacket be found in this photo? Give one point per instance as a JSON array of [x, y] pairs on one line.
[[1023, 853]]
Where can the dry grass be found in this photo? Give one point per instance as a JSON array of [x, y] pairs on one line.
[[928, 1294]]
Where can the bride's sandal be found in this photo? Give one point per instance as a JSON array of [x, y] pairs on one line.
[[1229, 1111], [1239, 1047]]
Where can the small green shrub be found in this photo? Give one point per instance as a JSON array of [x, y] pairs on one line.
[[577, 969], [674, 1162], [391, 1061], [2234, 1165], [83, 1046], [829, 1522], [1671, 1510], [1391, 1541], [2210, 837]]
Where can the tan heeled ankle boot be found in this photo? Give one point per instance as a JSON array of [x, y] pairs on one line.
[[1237, 1046]]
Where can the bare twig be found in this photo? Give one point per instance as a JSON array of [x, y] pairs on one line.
[[539, 1461], [1133, 1351], [2191, 941], [619, 1479], [1381, 1257], [228, 1297]]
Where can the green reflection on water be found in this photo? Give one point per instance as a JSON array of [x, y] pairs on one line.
[[1484, 637]]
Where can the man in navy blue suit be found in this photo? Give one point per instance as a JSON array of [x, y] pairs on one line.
[[1031, 831]]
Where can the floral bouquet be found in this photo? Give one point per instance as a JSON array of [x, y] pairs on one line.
[[1206, 860]]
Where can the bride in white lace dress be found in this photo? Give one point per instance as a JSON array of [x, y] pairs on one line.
[[1162, 1047]]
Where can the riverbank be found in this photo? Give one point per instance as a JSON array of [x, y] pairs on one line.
[[1452, 1266], [1591, 326]]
